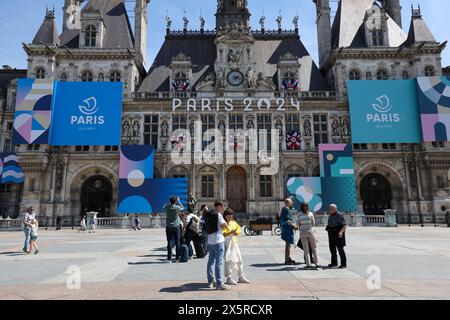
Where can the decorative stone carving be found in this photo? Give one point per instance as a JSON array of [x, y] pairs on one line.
[[164, 129], [307, 128], [251, 81]]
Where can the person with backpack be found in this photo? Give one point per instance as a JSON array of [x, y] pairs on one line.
[[203, 211], [215, 224], [173, 231]]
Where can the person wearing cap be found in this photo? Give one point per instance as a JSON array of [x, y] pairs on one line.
[[336, 237]]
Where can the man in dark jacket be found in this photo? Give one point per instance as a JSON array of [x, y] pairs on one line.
[[336, 237]]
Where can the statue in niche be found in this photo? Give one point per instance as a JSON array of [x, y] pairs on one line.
[[335, 127], [126, 129], [250, 125], [136, 129], [221, 79], [222, 127], [251, 79], [164, 129], [345, 127], [307, 128], [234, 56]]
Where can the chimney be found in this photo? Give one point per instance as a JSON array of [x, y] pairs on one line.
[[140, 29]]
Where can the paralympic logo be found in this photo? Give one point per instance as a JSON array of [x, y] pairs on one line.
[[88, 117]]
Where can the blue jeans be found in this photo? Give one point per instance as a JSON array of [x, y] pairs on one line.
[[173, 235], [216, 253], [27, 231]]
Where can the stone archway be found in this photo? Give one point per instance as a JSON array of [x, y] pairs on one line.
[[376, 194], [97, 195], [237, 189]]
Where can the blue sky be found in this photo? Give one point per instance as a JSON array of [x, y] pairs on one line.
[[20, 20]]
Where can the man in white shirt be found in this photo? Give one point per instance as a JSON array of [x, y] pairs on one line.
[[29, 216], [215, 223]]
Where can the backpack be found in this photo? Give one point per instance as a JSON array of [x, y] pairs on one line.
[[211, 222], [194, 224]]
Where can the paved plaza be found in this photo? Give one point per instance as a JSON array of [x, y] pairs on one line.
[[124, 264]]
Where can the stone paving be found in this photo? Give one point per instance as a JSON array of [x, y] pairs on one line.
[[124, 264]]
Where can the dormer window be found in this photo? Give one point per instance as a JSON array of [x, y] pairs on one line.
[[115, 76], [377, 38], [354, 75], [382, 75], [86, 76], [429, 71], [180, 82], [90, 36], [40, 73]]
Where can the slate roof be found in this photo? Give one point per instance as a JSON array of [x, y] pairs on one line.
[[119, 33], [202, 52], [47, 33], [8, 75], [348, 28], [419, 31]]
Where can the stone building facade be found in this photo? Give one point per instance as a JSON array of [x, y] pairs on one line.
[[231, 63]]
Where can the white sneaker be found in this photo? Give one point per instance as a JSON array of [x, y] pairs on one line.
[[223, 287], [244, 280], [211, 285], [231, 282], [167, 261]]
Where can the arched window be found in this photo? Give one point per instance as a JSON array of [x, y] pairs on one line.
[[101, 77], [86, 76], [90, 36], [382, 75], [40, 73], [369, 76], [354, 75], [115, 76], [429, 71], [405, 75], [63, 76]]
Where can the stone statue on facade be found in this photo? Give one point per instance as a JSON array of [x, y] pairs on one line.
[[345, 127], [222, 128], [136, 129], [168, 22], [234, 56], [279, 21], [202, 23], [295, 22], [164, 129], [221, 79], [335, 127], [251, 80], [250, 125], [185, 22], [262, 21], [307, 128], [126, 129]]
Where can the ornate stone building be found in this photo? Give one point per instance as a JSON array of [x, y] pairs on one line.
[[226, 78]]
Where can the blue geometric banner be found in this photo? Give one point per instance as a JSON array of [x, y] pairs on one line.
[[86, 114], [10, 170]]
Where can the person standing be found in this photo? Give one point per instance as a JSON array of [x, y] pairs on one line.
[[92, 225], [233, 256], [82, 224], [215, 224], [287, 230], [336, 237], [58, 223], [306, 223], [29, 216], [173, 231], [203, 211], [137, 223]]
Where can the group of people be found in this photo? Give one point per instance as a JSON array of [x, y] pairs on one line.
[[92, 224], [30, 228], [214, 232], [305, 222]]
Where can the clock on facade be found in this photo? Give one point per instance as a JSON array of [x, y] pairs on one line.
[[235, 78]]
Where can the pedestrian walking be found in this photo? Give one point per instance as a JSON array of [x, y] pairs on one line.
[[33, 237], [306, 223], [58, 223], [137, 223], [287, 230], [92, 225], [82, 225], [28, 217], [336, 237], [215, 224]]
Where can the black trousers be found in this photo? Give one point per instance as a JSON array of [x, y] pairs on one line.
[[173, 235], [188, 237], [337, 243]]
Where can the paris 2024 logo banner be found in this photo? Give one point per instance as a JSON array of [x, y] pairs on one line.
[[87, 114], [384, 111]]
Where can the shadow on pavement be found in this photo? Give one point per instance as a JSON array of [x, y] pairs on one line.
[[160, 261], [189, 287]]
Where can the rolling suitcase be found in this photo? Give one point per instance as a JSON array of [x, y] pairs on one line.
[[184, 256]]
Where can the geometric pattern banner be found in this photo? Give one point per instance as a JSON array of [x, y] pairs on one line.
[[336, 160], [434, 105], [33, 114], [10, 170], [335, 185], [293, 140], [138, 191]]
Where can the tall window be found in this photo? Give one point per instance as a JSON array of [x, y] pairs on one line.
[[208, 186], [354, 75], [382, 75], [86, 76], [389, 146], [438, 144], [360, 146], [440, 182], [101, 77], [265, 186], [63, 76], [115, 76], [292, 122], [429, 71], [179, 122], [377, 38], [90, 36], [265, 123], [33, 147], [320, 129], [236, 122], [208, 122], [8, 146], [82, 148], [151, 125], [111, 148], [40, 73]]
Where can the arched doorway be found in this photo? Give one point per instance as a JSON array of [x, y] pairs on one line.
[[376, 194], [96, 195], [237, 189]]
